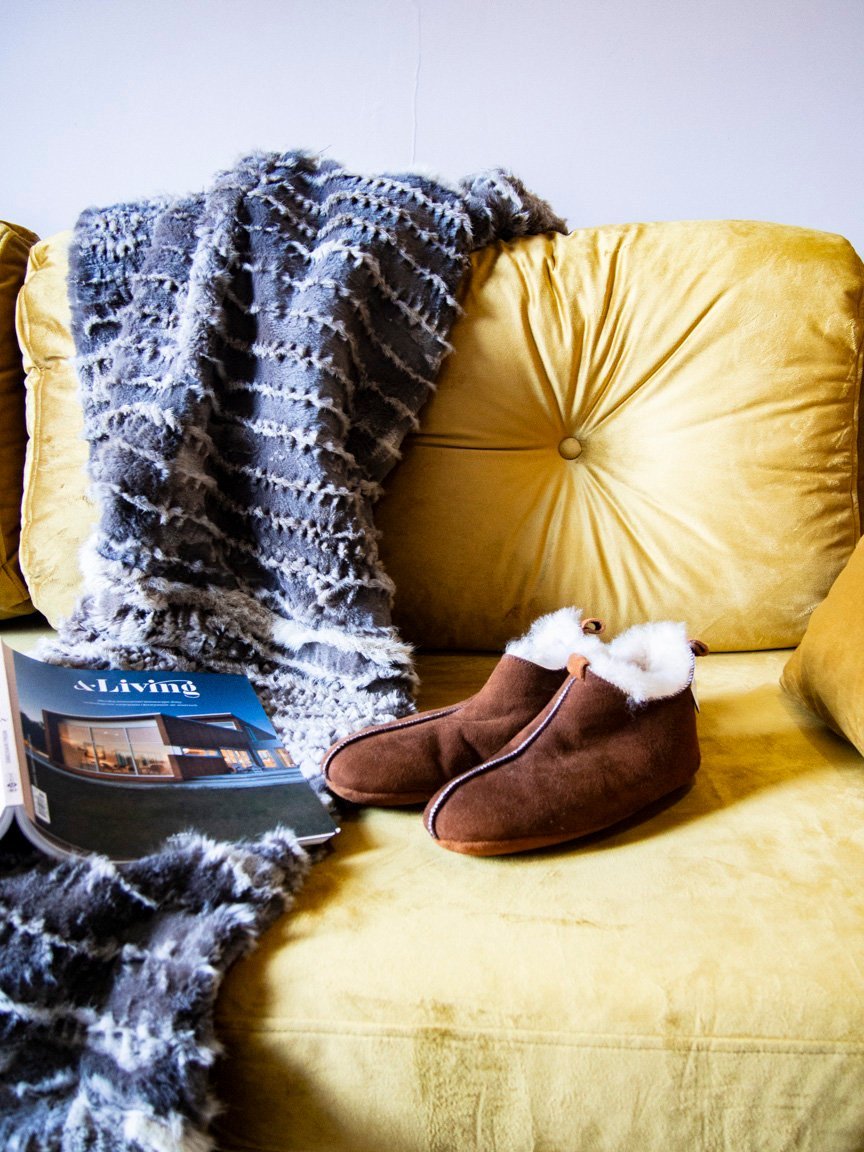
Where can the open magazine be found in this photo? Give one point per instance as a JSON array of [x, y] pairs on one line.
[[114, 762]]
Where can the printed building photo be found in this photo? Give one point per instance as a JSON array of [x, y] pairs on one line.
[[159, 745]]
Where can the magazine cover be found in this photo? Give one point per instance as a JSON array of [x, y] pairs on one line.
[[114, 762]]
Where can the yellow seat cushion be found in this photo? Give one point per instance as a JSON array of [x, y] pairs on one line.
[[826, 670], [14, 245], [56, 513], [688, 982], [648, 421]]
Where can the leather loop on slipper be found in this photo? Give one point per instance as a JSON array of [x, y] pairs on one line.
[[577, 666]]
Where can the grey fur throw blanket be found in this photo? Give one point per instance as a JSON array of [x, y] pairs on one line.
[[250, 361], [108, 977]]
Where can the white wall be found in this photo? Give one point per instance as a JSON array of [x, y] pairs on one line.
[[615, 110]]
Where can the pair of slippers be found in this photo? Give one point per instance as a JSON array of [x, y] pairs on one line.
[[568, 736]]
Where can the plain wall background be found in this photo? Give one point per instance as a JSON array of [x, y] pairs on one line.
[[614, 110]]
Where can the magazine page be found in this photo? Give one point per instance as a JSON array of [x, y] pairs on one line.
[[114, 762], [10, 777]]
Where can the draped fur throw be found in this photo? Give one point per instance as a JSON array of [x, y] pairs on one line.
[[250, 360], [108, 978]]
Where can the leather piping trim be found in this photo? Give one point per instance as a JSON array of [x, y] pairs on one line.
[[499, 760]]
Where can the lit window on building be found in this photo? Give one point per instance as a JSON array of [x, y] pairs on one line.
[[238, 758], [275, 758], [115, 750], [77, 744]]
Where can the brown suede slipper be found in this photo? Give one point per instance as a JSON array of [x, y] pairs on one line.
[[406, 761], [619, 735]]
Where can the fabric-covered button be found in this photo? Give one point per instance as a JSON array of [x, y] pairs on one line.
[[570, 448]]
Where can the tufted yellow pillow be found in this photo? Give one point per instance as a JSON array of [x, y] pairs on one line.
[[56, 514], [649, 421], [14, 245], [826, 670]]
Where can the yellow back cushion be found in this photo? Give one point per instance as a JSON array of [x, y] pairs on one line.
[[56, 514], [647, 421], [14, 245]]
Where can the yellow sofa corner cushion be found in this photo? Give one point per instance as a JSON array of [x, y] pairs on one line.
[[15, 243], [56, 513], [825, 673], [649, 421]]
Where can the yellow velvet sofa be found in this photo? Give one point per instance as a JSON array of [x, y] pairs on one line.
[[649, 422]]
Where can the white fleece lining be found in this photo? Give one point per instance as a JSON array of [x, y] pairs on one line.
[[551, 640], [647, 662]]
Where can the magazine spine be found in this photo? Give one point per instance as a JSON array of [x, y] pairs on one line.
[[10, 770]]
